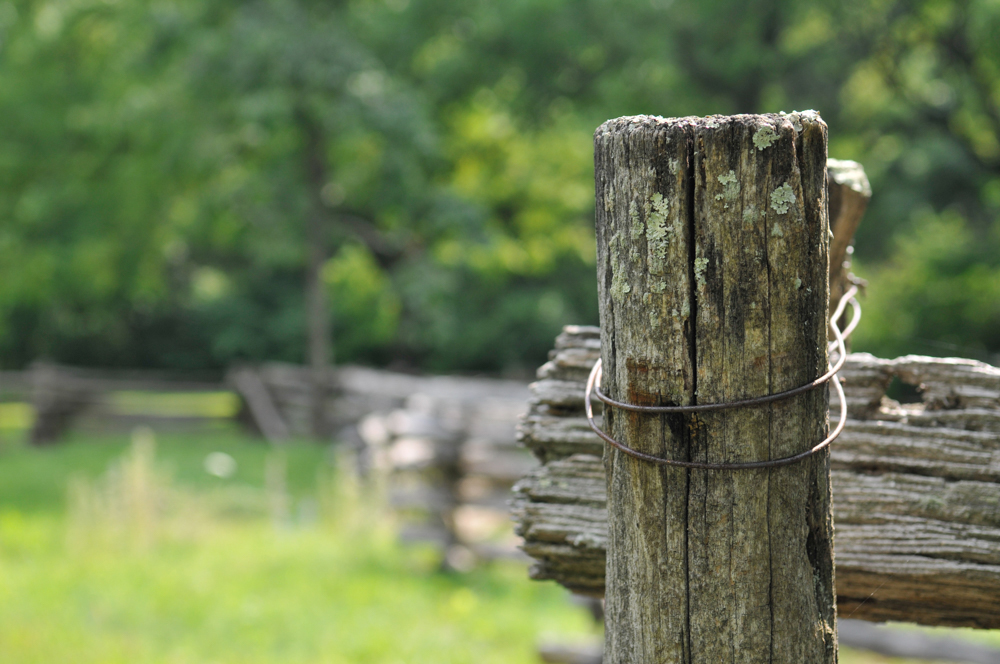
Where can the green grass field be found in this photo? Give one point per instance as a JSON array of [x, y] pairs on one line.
[[118, 552], [110, 554]]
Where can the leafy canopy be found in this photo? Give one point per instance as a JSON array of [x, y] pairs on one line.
[[161, 162]]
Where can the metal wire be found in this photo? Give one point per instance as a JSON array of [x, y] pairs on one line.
[[754, 401], [838, 345]]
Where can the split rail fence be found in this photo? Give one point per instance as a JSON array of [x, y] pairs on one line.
[[447, 443], [916, 487]]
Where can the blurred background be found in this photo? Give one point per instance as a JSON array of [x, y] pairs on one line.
[[191, 189], [174, 175]]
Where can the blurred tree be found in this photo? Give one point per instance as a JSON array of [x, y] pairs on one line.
[[921, 106], [172, 173], [92, 178], [325, 147], [910, 89]]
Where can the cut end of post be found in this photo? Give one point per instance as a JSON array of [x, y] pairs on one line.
[[850, 174], [764, 137]]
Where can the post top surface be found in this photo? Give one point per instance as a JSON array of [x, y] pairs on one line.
[[850, 173], [773, 120]]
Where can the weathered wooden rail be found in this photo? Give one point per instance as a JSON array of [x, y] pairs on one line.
[[916, 487], [451, 459], [61, 396], [448, 442], [276, 396], [354, 392]]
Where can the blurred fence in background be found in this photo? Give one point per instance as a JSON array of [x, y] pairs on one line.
[[446, 444]]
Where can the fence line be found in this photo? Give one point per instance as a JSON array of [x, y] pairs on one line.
[[915, 487]]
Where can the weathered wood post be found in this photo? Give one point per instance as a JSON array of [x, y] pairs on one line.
[[712, 238], [849, 193]]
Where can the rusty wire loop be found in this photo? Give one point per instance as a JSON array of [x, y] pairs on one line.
[[838, 345]]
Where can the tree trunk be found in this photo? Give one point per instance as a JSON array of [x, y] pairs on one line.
[[317, 309], [713, 245], [318, 320]]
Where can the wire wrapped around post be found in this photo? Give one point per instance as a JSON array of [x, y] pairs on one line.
[[838, 344]]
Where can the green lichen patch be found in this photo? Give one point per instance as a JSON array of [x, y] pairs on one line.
[[619, 287], [750, 216], [728, 179], [730, 187], [619, 282], [932, 503], [794, 118], [782, 198], [764, 138], [699, 271], [633, 215], [660, 205], [657, 233], [797, 117]]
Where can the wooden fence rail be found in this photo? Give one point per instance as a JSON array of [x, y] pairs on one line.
[[448, 442], [916, 487], [275, 396], [451, 461], [61, 395]]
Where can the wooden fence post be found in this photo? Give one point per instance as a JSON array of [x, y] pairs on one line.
[[849, 193], [713, 245]]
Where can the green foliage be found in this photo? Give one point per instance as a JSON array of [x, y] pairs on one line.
[[930, 300], [162, 162], [366, 307]]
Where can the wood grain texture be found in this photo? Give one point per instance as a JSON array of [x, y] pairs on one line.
[[916, 489], [644, 271], [712, 241]]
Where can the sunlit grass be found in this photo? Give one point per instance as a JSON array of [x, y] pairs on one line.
[[146, 568], [35, 479], [16, 416], [117, 550], [247, 593], [175, 404]]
